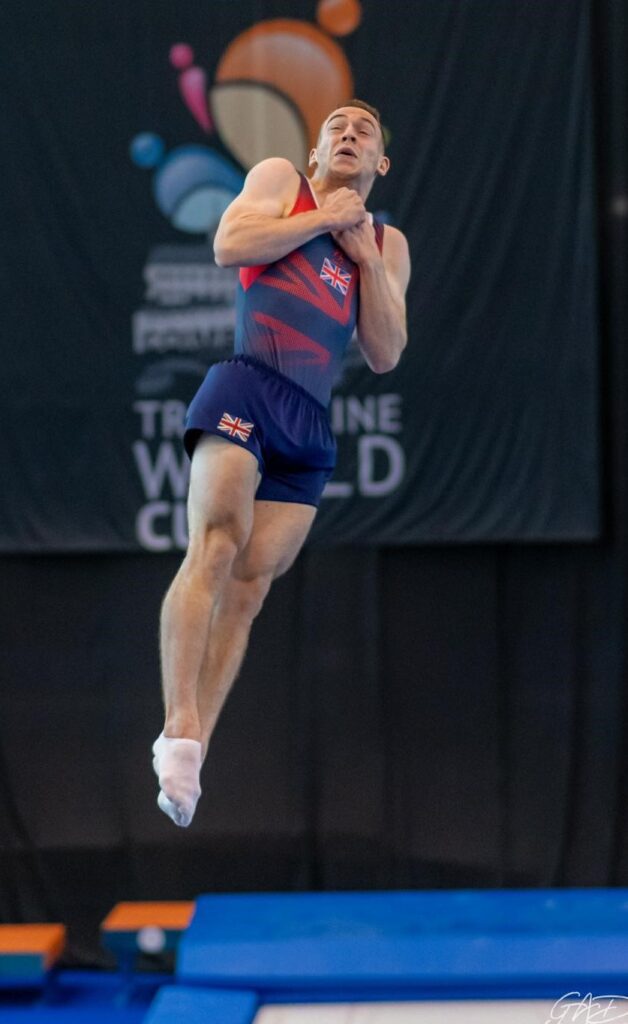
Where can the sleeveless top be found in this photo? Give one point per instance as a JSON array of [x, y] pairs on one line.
[[298, 314]]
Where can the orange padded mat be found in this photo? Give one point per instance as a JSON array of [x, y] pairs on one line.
[[133, 916], [45, 940]]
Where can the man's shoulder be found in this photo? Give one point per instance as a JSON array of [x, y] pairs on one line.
[[273, 179], [395, 242], [395, 236], [396, 255], [274, 170]]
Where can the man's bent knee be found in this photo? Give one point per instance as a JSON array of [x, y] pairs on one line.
[[244, 598], [213, 549]]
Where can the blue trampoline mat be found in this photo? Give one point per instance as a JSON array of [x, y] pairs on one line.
[[71, 1015], [245, 951], [407, 941], [201, 1006]]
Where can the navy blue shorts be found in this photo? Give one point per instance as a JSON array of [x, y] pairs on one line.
[[285, 428]]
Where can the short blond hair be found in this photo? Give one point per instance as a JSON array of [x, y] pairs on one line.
[[363, 105]]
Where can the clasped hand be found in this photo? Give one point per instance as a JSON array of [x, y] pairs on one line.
[[350, 227]]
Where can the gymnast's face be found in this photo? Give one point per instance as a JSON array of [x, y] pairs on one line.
[[350, 146]]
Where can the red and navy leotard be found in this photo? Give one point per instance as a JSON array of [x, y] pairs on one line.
[[299, 313]]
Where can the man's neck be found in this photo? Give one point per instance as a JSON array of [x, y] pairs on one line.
[[325, 186]]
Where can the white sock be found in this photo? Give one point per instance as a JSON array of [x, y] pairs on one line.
[[177, 765]]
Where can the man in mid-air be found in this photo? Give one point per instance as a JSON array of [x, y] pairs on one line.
[[314, 266]]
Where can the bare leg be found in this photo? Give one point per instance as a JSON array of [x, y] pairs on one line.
[[278, 533], [220, 513], [226, 647], [220, 509]]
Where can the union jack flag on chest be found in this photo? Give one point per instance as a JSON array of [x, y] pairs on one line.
[[333, 275], [235, 427]]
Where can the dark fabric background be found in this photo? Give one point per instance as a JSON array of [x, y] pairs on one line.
[[404, 718], [489, 108], [435, 716]]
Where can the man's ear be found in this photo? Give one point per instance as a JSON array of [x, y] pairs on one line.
[[383, 165], [313, 158]]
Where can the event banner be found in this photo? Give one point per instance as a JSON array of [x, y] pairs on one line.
[[128, 133]]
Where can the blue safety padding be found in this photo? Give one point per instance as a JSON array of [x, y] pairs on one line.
[[552, 990], [65, 1015], [17, 979], [22, 968], [201, 1006], [406, 939]]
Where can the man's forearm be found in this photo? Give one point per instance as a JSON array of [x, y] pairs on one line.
[[382, 323], [253, 239]]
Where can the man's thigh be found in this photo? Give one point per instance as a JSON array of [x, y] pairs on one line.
[[223, 480], [279, 531]]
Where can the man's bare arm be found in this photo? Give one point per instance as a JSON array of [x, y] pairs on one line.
[[382, 332], [256, 229]]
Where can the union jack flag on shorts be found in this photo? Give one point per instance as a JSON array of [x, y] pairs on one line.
[[333, 275], [235, 427]]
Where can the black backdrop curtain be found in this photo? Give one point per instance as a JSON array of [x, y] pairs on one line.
[[406, 717], [461, 724]]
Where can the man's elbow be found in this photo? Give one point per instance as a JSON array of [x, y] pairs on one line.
[[384, 363], [223, 255], [225, 251]]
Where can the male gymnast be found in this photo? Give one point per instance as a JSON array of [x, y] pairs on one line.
[[314, 265]]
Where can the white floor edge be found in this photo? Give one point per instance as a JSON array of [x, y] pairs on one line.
[[531, 1011]]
